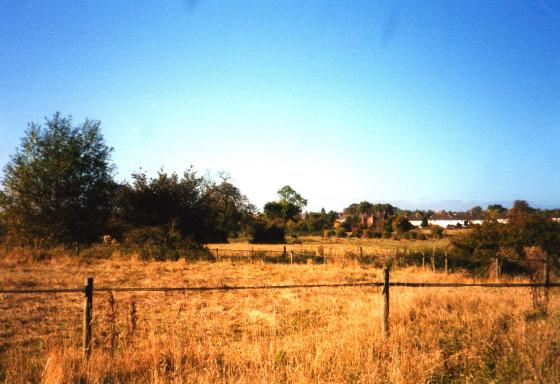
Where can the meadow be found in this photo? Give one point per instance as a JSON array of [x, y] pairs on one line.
[[315, 335]]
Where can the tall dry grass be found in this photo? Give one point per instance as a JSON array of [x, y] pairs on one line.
[[341, 245], [274, 336]]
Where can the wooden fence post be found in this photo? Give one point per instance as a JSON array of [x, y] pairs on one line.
[[284, 252], [546, 276], [434, 259], [446, 263], [423, 260], [217, 254], [361, 253], [88, 304], [292, 257], [385, 293], [497, 268]]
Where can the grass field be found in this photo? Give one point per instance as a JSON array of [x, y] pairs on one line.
[[327, 335], [340, 246]]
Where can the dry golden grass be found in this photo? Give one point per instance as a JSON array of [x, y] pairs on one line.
[[340, 246], [269, 336]]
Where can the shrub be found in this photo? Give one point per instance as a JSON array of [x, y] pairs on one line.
[[356, 232], [436, 231], [340, 233], [159, 243], [411, 235], [267, 233]]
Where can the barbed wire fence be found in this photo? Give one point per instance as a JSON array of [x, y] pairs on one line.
[[88, 291]]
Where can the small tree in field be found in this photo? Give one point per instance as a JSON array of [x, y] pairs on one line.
[[58, 186], [289, 207]]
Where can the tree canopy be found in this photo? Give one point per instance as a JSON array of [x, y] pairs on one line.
[[58, 186], [192, 205], [526, 228], [288, 207]]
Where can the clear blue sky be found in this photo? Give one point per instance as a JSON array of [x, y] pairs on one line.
[[438, 104]]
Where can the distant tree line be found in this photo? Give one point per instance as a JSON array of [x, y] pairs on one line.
[[527, 232], [59, 188]]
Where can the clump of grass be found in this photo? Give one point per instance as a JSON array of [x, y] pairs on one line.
[[112, 321]]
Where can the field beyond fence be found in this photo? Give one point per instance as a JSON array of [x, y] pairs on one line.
[[224, 321]]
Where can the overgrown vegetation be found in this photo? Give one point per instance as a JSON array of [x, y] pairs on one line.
[[58, 190], [438, 335], [527, 228]]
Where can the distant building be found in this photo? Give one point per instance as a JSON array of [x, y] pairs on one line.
[[451, 219]]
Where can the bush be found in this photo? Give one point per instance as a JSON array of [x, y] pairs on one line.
[[159, 243], [356, 232], [411, 235], [436, 231], [267, 233], [367, 234], [340, 233]]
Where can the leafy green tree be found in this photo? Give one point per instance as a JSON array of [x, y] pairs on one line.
[[274, 210], [58, 186], [289, 207], [527, 227], [520, 212], [384, 210], [494, 211], [401, 224], [231, 209], [194, 206], [290, 197], [475, 211], [365, 207], [388, 225]]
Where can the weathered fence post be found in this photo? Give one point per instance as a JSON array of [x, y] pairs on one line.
[[546, 276], [446, 263], [423, 259], [385, 293], [284, 252], [292, 257], [361, 253], [498, 268], [88, 304], [434, 259], [217, 254]]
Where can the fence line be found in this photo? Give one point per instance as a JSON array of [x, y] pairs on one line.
[[88, 291], [289, 286]]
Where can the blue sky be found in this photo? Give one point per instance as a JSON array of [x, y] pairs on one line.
[[435, 104]]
